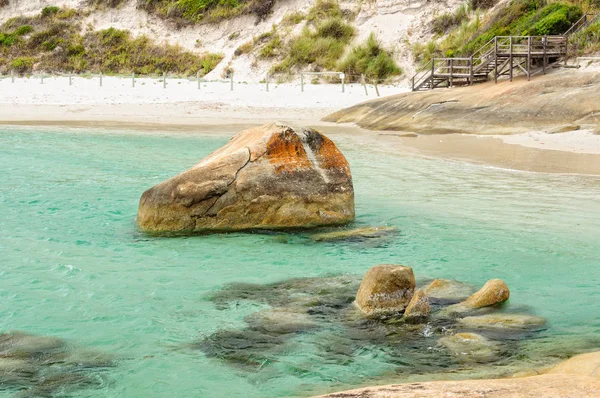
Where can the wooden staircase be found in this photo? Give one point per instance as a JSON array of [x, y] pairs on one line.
[[501, 56]]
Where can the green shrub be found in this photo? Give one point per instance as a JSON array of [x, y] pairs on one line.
[[371, 60], [23, 30], [586, 41], [7, 40], [22, 64], [49, 11]]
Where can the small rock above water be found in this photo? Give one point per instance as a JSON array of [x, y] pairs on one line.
[[358, 233], [493, 292], [269, 177], [418, 307], [386, 289]]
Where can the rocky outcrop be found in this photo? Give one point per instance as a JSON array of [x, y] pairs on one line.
[[418, 307], [386, 289], [270, 177], [577, 377], [567, 97]]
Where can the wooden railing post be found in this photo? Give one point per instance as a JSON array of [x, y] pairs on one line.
[[544, 44], [528, 58], [413, 82], [510, 72], [432, 73], [451, 82], [471, 71], [496, 59]]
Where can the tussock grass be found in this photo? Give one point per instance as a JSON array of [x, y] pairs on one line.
[[586, 41], [52, 42], [293, 18], [444, 22], [371, 60]]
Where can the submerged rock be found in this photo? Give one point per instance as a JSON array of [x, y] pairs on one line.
[[281, 321], [386, 289], [358, 233], [471, 347], [270, 177], [448, 291], [24, 345], [418, 307], [503, 321]]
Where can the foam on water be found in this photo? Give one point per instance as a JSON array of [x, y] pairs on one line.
[[74, 266]]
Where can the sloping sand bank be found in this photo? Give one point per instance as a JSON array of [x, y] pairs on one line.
[[577, 377], [554, 103]]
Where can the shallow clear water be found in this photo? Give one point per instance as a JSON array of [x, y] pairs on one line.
[[73, 265]]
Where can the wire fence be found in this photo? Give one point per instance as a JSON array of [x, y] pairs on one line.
[[165, 80]]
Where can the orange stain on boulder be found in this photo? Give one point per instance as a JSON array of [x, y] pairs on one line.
[[329, 156], [286, 153]]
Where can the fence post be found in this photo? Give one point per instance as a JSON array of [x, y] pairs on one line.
[[42, 79], [302, 81], [267, 81], [133, 79], [198, 79], [376, 88], [70, 78], [12, 76], [432, 73], [231, 80], [100, 79], [164, 79], [451, 82], [362, 79], [343, 76]]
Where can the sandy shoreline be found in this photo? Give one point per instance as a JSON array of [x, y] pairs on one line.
[[215, 109]]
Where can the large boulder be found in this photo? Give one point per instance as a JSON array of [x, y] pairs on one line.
[[269, 177], [386, 289]]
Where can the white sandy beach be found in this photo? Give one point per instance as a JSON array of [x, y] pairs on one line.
[[181, 105]]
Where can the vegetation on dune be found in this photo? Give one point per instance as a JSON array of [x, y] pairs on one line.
[[517, 18], [322, 42], [3, 3], [371, 60], [185, 12], [586, 41], [52, 42]]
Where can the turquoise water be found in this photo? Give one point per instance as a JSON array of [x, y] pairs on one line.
[[73, 264]]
